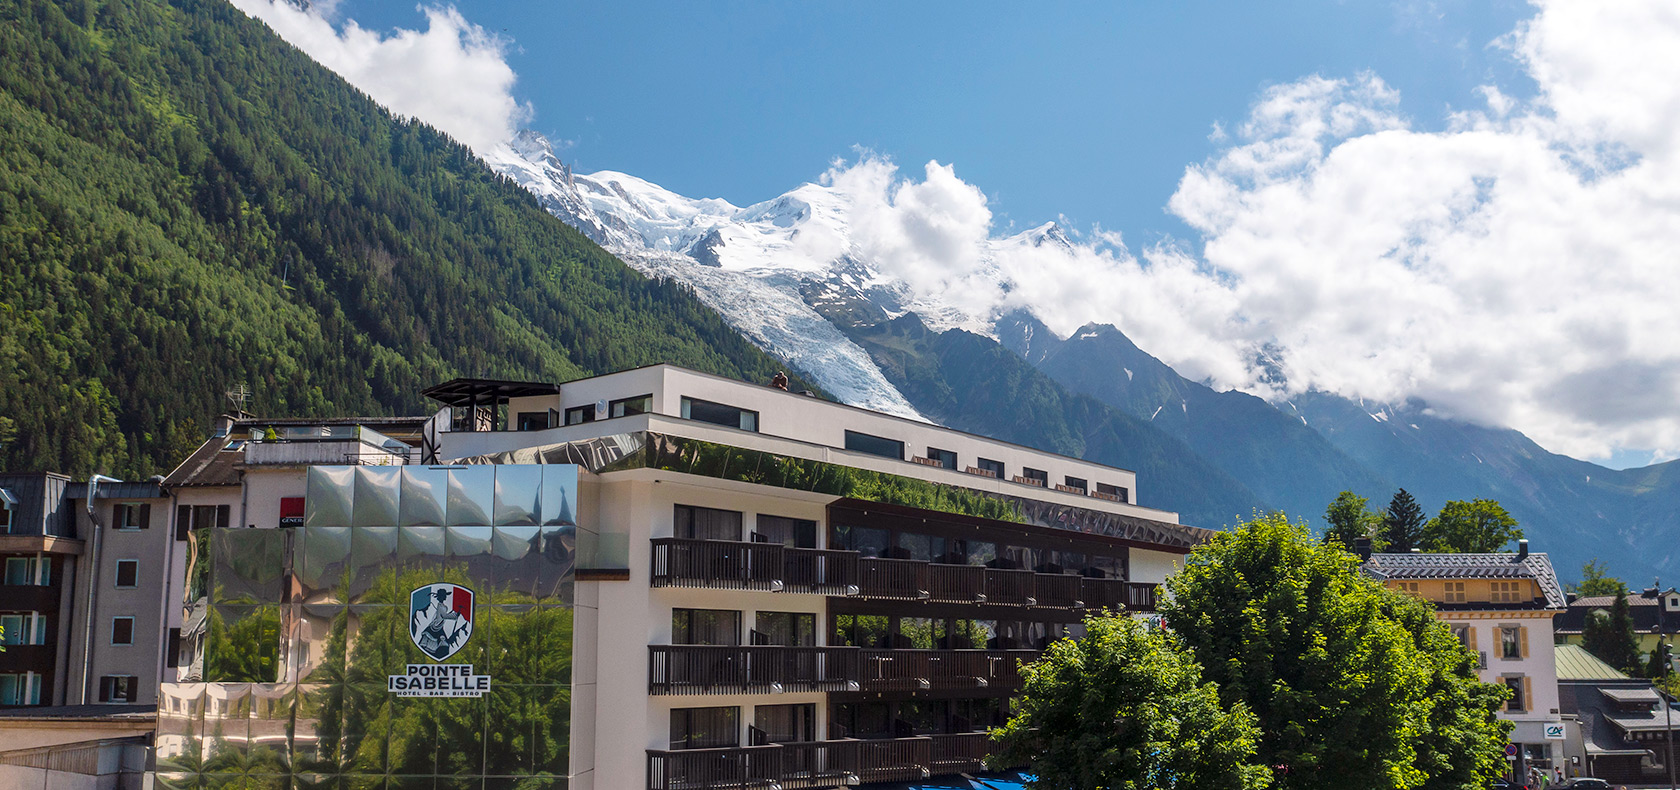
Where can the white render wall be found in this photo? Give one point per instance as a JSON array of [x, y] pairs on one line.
[[809, 420], [1539, 667]]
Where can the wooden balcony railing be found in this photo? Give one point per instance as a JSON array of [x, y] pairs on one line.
[[750, 669], [820, 571], [894, 760], [1116, 594], [1058, 591], [904, 580], [924, 670], [1010, 587], [819, 764], [959, 753], [956, 583], [734, 767], [733, 565]]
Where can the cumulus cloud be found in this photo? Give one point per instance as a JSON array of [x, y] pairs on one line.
[[1513, 265], [452, 75]]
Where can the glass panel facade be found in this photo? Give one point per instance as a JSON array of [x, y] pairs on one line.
[[295, 632]]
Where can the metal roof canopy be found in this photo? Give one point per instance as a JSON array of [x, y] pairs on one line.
[[485, 392]]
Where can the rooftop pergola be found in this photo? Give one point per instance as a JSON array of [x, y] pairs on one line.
[[476, 395]]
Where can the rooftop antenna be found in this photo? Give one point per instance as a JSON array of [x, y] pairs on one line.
[[239, 396]]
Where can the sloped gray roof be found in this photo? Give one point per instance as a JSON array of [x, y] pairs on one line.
[[1499, 565]]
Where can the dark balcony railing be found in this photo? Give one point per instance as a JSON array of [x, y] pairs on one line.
[[820, 570], [692, 769], [956, 583], [681, 562], [923, 670], [1117, 594], [879, 577], [1057, 591], [819, 764], [749, 669], [1010, 587]]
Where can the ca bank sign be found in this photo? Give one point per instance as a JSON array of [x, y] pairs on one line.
[[440, 622]]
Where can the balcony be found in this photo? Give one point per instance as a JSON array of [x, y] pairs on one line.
[[30, 598], [1010, 587], [1116, 594], [734, 565], [755, 669], [819, 764], [763, 669]]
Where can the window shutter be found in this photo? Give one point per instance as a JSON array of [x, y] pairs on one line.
[[1522, 640], [173, 654], [222, 512], [105, 688], [133, 689], [1472, 629], [146, 515], [1528, 696], [183, 522]]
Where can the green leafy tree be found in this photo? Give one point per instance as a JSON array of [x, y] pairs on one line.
[[1402, 527], [1126, 707], [1610, 636], [1350, 519], [1596, 581], [1290, 628], [1477, 526]]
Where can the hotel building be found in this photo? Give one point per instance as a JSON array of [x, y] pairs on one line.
[[654, 578]]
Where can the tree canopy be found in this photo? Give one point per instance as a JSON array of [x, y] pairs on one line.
[[1290, 628], [1597, 581], [1610, 636], [1126, 707], [1402, 527], [1477, 526], [1350, 518]]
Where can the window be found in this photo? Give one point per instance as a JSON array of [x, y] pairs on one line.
[[128, 574], [5, 519], [1511, 641], [926, 548], [122, 630], [23, 628], [533, 420], [704, 523], [204, 517], [874, 445], [1519, 697], [944, 458], [798, 533], [20, 689], [28, 571], [1116, 493], [705, 728], [1455, 592], [980, 552], [860, 720], [131, 515], [119, 688], [866, 541], [1506, 592], [989, 467], [625, 407], [1411, 587], [578, 415], [1462, 632], [860, 630], [1077, 483], [719, 414], [1037, 477], [788, 629], [785, 723], [173, 651], [705, 627]]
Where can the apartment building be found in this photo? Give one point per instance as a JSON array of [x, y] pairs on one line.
[[654, 578], [1501, 606], [1655, 613]]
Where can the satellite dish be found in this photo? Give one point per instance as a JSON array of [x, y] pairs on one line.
[[601, 409]]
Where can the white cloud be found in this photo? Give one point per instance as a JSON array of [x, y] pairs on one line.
[[453, 75]]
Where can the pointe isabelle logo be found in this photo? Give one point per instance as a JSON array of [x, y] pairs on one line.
[[440, 619]]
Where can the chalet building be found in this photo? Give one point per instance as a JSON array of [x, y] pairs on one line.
[[1501, 606], [1617, 730], [654, 578], [1655, 613]]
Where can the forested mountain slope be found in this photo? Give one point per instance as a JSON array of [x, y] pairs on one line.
[[188, 203]]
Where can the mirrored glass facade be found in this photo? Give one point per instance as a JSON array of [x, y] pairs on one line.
[[291, 635]]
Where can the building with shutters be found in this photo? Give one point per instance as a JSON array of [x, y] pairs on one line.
[[1500, 605], [654, 578]]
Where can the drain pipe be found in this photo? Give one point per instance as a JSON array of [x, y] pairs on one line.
[[93, 578]]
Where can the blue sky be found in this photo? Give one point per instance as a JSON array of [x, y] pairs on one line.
[[1088, 110]]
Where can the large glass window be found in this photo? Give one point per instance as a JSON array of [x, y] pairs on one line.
[[24, 628], [28, 571], [705, 627], [705, 728], [578, 415], [1037, 477], [20, 689], [945, 458], [797, 533], [926, 548], [860, 720], [789, 629], [988, 466], [719, 414], [866, 541], [1117, 493], [704, 523], [786, 723], [860, 630], [534, 421], [874, 445], [980, 552], [922, 717], [625, 407], [919, 633], [1078, 483]]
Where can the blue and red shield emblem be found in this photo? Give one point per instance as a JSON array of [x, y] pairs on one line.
[[440, 618]]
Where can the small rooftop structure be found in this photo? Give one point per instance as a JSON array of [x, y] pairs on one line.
[[1497, 565]]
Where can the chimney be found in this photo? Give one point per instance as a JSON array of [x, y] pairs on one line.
[[222, 424], [1362, 547], [1522, 550]]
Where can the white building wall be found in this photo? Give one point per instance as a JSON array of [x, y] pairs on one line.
[[1538, 666]]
